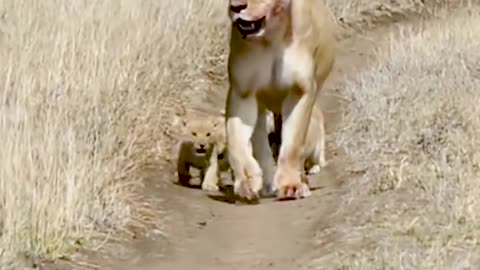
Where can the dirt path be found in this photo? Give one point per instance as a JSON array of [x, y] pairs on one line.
[[218, 235], [204, 233]]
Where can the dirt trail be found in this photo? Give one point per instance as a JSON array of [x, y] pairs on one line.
[[203, 233], [217, 235]]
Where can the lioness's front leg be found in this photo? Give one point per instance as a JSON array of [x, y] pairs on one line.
[[290, 171], [241, 120]]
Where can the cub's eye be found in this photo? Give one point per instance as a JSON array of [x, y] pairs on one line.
[[194, 133], [208, 134]]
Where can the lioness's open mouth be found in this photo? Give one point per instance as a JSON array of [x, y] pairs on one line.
[[247, 28]]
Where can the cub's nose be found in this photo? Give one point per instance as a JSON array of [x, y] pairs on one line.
[[238, 8], [201, 149]]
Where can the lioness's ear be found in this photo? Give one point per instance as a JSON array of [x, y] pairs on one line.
[[279, 6]]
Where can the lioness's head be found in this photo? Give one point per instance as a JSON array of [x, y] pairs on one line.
[[201, 132], [257, 19]]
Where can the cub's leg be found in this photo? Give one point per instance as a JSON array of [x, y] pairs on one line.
[[210, 180], [183, 166], [288, 180], [262, 151], [241, 120]]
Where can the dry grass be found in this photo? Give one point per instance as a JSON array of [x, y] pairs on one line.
[[410, 130], [87, 91]]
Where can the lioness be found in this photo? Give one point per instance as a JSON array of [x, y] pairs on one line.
[[281, 52]]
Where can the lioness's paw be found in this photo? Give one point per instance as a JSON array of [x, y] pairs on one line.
[[294, 191], [289, 185], [248, 189]]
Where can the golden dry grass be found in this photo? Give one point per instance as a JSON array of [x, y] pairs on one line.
[[87, 91], [410, 132]]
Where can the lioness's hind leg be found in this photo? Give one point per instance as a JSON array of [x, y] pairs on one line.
[[263, 153], [241, 120], [317, 159]]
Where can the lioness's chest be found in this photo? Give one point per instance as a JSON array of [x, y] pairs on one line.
[[266, 72]]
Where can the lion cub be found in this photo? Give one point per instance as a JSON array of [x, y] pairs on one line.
[[202, 147]]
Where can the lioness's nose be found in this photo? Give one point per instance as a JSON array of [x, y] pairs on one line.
[[238, 8]]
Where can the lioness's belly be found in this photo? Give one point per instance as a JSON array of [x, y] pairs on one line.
[[272, 99]]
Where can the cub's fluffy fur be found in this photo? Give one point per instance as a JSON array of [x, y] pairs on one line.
[[202, 147]]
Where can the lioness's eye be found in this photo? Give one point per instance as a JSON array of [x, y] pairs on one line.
[[194, 133], [208, 134]]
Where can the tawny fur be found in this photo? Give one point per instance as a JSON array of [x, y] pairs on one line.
[[316, 147], [278, 65], [316, 159], [203, 141]]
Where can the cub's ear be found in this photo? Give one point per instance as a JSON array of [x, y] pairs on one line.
[[179, 120], [218, 121]]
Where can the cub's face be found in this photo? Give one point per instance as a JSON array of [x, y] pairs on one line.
[[257, 20], [202, 134]]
